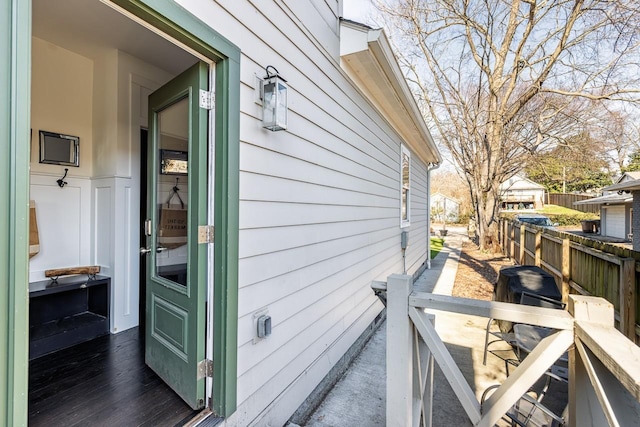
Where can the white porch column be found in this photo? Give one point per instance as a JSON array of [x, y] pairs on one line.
[[584, 407], [399, 352]]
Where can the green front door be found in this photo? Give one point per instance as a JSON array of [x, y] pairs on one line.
[[176, 268]]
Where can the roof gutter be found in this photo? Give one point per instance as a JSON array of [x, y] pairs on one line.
[[430, 168]]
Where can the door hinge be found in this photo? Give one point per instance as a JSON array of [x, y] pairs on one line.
[[205, 234], [205, 369], [207, 99]]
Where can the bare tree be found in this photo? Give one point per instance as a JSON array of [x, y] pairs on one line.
[[619, 133], [500, 79]]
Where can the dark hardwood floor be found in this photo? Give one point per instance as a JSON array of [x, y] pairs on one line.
[[103, 382]]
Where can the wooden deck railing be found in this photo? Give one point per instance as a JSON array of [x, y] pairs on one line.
[[580, 266], [604, 366]]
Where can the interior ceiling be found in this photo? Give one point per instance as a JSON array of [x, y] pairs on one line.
[[89, 27]]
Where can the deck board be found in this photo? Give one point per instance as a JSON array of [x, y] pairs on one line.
[[102, 382]]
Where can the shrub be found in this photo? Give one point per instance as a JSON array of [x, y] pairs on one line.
[[572, 219], [562, 219]]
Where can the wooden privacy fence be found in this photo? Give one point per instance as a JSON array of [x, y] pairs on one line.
[[580, 266], [567, 201]]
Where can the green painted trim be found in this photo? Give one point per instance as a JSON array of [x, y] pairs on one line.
[[227, 183], [175, 21], [178, 23], [15, 93]]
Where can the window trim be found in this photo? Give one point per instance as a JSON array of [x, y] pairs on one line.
[[404, 151]]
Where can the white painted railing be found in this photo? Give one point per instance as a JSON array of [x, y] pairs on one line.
[[604, 366]]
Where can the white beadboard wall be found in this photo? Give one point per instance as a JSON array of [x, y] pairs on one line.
[[319, 204], [63, 216]]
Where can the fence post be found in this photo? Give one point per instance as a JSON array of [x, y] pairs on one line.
[[505, 237], [523, 232], [627, 291], [399, 352], [512, 246], [538, 248], [584, 407], [565, 269]]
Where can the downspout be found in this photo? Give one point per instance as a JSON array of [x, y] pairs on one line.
[[433, 166]]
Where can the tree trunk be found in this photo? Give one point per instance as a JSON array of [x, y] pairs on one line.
[[487, 212]]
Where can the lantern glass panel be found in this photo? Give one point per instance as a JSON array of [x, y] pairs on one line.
[[274, 104], [268, 105]]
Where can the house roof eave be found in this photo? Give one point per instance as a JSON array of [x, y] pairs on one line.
[[367, 57], [607, 199], [633, 185]]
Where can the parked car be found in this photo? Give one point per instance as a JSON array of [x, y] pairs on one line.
[[535, 219]]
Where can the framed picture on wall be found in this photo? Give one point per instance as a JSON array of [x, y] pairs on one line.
[[59, 149], [173, 162]]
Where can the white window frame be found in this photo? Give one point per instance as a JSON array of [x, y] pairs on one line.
[[405, 222]]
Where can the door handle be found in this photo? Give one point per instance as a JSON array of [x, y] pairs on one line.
[[144, 251]]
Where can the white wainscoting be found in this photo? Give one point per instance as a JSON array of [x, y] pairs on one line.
[[63, 216], [116, 242]]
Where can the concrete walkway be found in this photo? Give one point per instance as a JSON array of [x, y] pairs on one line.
[[359, 398]]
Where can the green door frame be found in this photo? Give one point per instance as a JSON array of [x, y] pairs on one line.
[[15, 95], [15, 91]]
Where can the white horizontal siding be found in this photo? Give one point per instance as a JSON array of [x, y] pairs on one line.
[[319, 203], [304, 132], [271, 265], [263, 187], [324, 30], [416, 253], [271, 240], [306, 370]]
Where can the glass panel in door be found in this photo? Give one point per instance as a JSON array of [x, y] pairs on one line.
[[171, 192]]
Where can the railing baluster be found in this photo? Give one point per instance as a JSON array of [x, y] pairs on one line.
[[423, 384], [449, 367]]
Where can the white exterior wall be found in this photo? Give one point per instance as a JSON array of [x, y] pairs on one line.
[[319, 204]]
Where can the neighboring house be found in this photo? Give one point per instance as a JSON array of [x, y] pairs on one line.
[[444, 207], [519, 193], [616, 207], [628, 186], [165, 97]]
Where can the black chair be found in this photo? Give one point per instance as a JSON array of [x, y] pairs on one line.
[[528, 298], [505, 332], [529, 410]]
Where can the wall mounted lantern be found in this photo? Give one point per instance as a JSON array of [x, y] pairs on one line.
[[274, 100]]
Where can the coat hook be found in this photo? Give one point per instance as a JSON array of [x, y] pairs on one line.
[[61, 182]]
